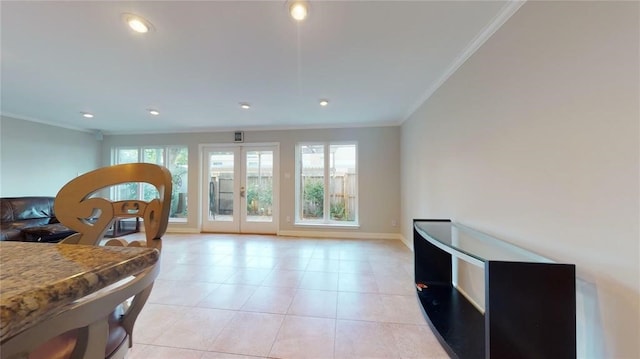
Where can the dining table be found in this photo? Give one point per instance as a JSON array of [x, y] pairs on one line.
[[39, 281]]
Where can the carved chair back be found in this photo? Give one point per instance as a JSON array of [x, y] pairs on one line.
[[79, 207]]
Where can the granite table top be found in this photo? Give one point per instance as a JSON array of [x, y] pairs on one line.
[[38, 280]]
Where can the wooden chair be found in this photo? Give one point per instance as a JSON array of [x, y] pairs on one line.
[[79, 207], [91, 216]]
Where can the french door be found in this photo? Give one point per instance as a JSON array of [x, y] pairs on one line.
[[240, 189]]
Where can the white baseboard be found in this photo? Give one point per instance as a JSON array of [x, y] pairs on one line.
[[312, 234], [406, 243], [183, 230], [348, 235]]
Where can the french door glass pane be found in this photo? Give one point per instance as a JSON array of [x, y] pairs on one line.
[[259, 182], [221, 185], [312, 181]]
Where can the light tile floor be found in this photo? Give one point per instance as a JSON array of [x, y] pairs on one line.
[[254, 296]]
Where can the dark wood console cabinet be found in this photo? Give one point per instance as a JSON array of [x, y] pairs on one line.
[[530, 301]]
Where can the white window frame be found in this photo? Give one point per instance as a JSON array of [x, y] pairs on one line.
[[141, 149], [326, 221]]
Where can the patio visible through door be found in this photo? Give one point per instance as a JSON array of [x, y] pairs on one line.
[[239, 189]]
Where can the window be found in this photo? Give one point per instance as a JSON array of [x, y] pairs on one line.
[[327, 183], [174, 158]]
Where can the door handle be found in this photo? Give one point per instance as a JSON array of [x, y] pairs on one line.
[[242, 192]]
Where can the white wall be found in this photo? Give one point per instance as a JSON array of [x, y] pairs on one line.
[[37, 159], [535, 139], [378, 171]]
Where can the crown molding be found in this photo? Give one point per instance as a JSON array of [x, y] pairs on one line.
[[48, 123], [503, 15]]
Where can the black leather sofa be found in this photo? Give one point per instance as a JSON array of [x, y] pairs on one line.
[[30, 219]]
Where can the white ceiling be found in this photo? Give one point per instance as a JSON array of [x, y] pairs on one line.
[[375, 61]]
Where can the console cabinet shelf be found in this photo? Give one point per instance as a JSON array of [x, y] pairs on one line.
[[530, 301]]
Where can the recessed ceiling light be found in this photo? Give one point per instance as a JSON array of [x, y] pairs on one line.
[[154, 112], [298, 10], [138, 23], [87, 114], [324, 102], [245, 105]]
